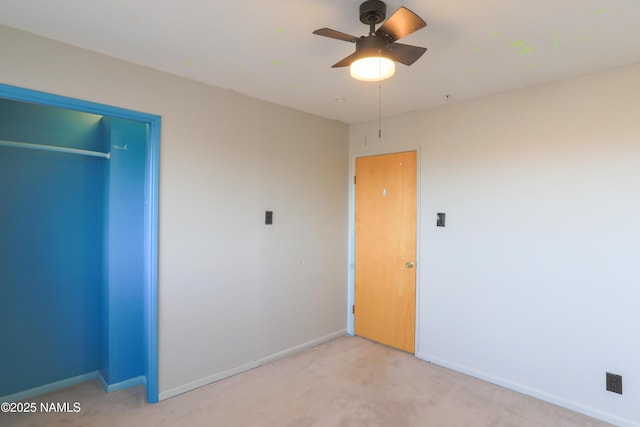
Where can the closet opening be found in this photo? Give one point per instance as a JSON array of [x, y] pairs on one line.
[[78, 245]]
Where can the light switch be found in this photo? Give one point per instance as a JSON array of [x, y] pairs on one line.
[[440, 221], [268, 217]]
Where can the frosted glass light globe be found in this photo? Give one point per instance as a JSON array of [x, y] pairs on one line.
[[372, 69]]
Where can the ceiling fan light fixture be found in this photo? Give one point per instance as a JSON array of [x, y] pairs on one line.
[[372, 68], [377, 53]]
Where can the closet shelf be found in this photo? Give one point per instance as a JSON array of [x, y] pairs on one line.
[[29, 146]]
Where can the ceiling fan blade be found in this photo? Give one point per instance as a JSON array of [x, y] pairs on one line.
[[333, 34], [347, 61], [402, 23], [406, 54]]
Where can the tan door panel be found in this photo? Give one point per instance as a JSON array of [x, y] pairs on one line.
[[385, 249]]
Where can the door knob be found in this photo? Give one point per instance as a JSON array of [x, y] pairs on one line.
[[409, 264]]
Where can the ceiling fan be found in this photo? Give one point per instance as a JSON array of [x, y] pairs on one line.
[[376, 54]]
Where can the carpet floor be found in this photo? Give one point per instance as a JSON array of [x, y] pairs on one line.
[[346, 382]]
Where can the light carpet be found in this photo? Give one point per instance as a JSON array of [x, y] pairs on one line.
[[345, 382]]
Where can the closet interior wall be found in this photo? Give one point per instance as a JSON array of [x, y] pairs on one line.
[[71, 245]]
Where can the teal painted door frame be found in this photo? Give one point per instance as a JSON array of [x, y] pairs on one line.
[[152, 163]]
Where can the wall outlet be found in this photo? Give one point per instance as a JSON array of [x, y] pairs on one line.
[[614, 383]]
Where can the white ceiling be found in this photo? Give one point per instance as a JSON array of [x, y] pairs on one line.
[[266, 49]]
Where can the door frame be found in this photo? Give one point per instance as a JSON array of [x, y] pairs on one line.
[[152, 164], [352, 233]]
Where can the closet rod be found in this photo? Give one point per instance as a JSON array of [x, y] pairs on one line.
[[54, 148]]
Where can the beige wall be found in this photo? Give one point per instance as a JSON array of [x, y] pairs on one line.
[[534, 282], [233, 292]]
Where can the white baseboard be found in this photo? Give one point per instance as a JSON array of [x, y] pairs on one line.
[[556, 400], [248, 366], [47, 388], [301, 347]]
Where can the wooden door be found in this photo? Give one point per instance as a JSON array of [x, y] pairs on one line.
[[385, 249]]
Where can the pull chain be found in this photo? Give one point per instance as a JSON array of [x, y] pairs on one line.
[[379, 110], [379, 100]]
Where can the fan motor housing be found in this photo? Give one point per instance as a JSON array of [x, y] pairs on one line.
[[372, 46], [373, 12], [371, 42]]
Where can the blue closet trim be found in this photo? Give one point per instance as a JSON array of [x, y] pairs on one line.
[[151, 211]]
